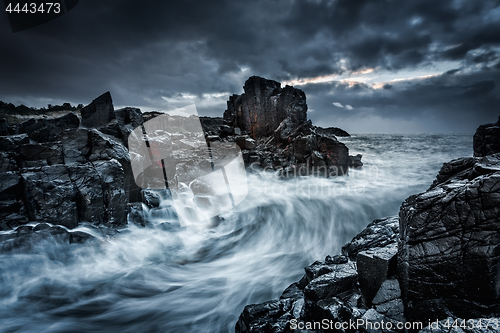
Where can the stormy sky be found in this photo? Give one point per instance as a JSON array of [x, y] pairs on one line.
[[365, 65]]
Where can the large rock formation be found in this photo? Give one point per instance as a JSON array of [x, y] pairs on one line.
[[449, 248], [487, 139], [57, 172], [270, 125], [264, 107]]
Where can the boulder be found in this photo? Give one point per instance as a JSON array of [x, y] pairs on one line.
[[375, 266], [98, 113], [355, 161], [487, 139], [449, 243], [378, 234], [342, 279]]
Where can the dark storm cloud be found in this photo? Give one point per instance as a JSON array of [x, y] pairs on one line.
[[145, 50], [445, 103]]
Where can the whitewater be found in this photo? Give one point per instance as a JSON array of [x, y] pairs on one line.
[[198, 278]]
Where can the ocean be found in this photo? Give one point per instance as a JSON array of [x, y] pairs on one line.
[[198, 278]]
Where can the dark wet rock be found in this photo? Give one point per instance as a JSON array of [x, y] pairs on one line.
[[98, 113], [355, 161], [79, 237], [135, 213], [51, 196], [75, 145], [40, 154], [129, 116], [9, 185], [151, 198], [457, 169], [47, 130], [331, 131], [374, 267], [487, 139], [4, 127], [271, 316], [260, 110], [448, 251], [7, 162], [11, 143], [378, 233], [388, 302], [342, 279]]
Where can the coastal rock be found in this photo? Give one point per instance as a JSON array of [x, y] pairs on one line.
[[263, 106], [47, 130], [98, 113], [378, 234], [342, 279], [375, 266], [355, 161], [487, 139], [331, 131], [40, 154], [448, 251], [12, 142], [4, 127], [51, 196]]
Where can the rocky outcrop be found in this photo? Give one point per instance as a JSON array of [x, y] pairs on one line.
[[264, 107], [270, 125], [55, 171], [449, 243], [487, 139]]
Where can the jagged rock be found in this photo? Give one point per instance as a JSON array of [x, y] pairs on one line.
[[448, 251], [340, 280], [331, 131], [272, 316], [51, 196], [379, 233], [4, 127], [40, 154], [47, 130], [355, 161], [75, 145], [98, 113], [128, 115], [457, 169], [374, 267], [264, 105], [487, 139], [11, 143]]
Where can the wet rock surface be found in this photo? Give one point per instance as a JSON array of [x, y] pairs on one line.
[[270, 125]]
